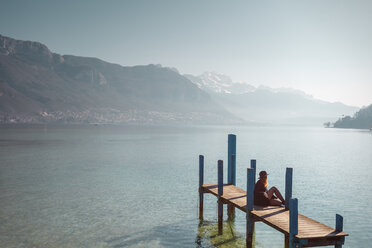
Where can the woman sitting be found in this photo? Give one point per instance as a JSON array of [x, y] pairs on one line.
[[264, 197]]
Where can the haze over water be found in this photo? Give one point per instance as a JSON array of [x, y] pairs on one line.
[[127, 186]]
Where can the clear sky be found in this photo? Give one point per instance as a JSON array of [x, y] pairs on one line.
[[323, 47]]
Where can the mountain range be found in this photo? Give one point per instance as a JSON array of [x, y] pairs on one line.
[[268, 105], [39, 86]]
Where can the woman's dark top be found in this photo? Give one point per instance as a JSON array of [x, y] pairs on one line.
[[259, 197]]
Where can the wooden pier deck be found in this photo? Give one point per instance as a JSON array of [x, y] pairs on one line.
[[314, 232], [299, 230]]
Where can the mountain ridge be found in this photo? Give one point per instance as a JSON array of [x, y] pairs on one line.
[[270, 105], [37, 85]]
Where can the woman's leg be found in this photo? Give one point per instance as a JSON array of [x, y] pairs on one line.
[[272, 191], [275, 202]]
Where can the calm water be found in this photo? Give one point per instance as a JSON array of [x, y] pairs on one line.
[[116, 186]]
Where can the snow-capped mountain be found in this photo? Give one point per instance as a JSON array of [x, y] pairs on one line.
[[266, 104], [213, 82], [219, 83]]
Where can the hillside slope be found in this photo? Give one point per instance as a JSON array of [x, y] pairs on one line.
[[361, 120], [37, 85]]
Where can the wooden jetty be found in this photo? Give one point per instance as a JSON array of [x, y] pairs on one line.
[[298, 230]]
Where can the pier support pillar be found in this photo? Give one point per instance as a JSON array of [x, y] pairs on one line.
[[249, 207], [286, 241], [339, 227], [253, 166], [201, 182], [231, 165], [293, 222], [220, 193], [288, 186], [230, 212], [230, 207]]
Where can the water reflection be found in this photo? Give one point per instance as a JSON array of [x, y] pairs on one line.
[[207, 236]]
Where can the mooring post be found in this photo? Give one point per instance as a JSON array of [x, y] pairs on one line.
[[220, 193], [293, 222], [253, 166], [230, 207], [339, 228], [231, 166], [249, 206], [201, 182], [288, 186]]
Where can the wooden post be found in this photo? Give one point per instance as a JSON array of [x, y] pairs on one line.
[[288, 186], [339, 227], [231, 167], [286, 241], [253, 166], [230, 207], [249, 207], [220, 193], [293, 221], [339, 223], [201, 182]]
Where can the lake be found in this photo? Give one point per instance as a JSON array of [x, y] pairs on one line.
[[131, 186]]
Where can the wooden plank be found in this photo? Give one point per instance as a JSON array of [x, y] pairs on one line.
[[276, 217]]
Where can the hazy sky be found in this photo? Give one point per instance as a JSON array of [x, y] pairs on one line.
[[323, 47]]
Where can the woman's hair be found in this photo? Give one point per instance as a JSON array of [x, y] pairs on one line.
[[264, 180]]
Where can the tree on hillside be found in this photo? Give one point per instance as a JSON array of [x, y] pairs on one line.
[[361, 119]]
